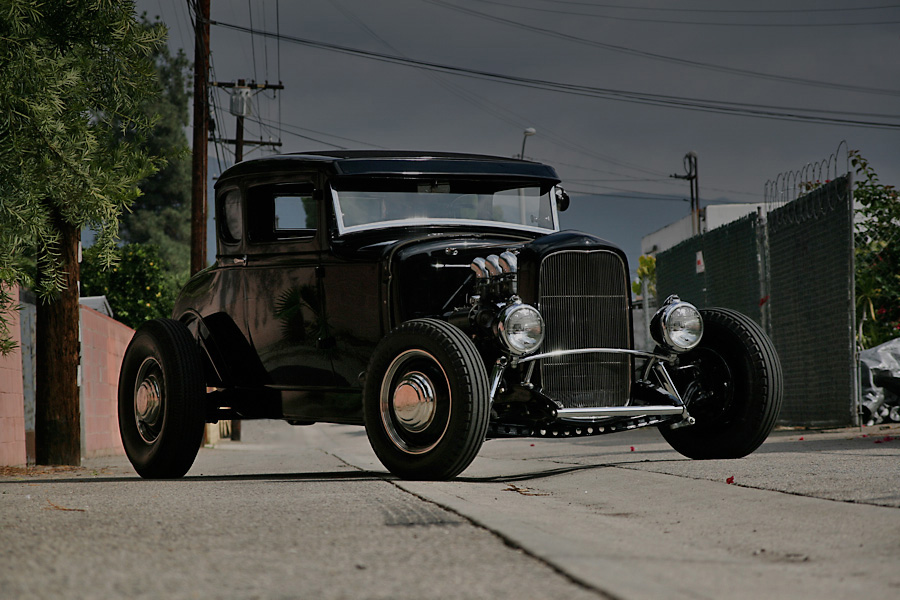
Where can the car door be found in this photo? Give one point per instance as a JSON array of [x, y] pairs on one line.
[[285, 319]]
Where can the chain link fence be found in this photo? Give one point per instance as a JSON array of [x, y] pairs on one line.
[[791, 270]]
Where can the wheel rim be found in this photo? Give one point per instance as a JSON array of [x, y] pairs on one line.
[[415, 402], [148, 400], [709, 396]]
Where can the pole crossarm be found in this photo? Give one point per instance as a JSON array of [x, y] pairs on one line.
[[242, 111], [690, 165], [245, 142], [250, 84]]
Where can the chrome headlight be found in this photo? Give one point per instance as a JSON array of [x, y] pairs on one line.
[[677, 325], [520, 328]]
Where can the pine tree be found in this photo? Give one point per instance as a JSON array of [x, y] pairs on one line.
[[74, 76]]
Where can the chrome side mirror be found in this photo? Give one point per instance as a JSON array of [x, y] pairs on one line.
[[562, 199]]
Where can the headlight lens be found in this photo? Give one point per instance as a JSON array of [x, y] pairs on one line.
[[521, 328], [678, 326]]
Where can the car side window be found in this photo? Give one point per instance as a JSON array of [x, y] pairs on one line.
[[232, 223], [282, 212], [295, 212]]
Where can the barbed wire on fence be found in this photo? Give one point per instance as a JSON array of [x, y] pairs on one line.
[[816, 203], [790, 185]]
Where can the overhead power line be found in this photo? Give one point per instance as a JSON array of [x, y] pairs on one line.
[[704, 23], [502, 113], [627, 194], [295, 129], [666, 58], [820, 116], [622, 194], [722, 10]]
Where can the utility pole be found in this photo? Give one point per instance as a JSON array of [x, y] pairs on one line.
[[201, 133], [241, 108], [690, 165]]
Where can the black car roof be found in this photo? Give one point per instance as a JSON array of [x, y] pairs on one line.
[[354, 163]]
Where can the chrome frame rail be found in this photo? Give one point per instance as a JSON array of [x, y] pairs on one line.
[[656, 364], [555, 353], [620, 411]]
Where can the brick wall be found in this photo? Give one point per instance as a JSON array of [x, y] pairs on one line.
[[103, 343], [12, 401]]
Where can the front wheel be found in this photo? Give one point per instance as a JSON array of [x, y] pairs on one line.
[[161, 393], [732, 384], [426, 400]]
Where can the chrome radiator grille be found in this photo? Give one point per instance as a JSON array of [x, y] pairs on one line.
[[584, 301]]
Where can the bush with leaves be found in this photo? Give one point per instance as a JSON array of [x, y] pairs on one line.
[[646, 272], [161, 215], [135, 287], [877, 255]]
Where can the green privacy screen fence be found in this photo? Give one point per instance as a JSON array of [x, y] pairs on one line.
[[791, 270]]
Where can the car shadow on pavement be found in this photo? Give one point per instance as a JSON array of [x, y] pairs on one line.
[[557, 471], [323, 476]]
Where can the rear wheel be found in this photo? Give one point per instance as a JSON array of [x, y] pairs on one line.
[[732, 383], [161, 394], [426, 400]]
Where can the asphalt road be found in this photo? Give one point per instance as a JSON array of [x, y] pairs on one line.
[[307, 512]]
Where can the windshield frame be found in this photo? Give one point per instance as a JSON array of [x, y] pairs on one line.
[[451, 222]]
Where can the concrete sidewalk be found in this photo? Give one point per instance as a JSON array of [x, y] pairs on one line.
[[851, 465]]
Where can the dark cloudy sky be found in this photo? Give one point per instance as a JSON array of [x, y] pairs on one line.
[[836, 59]]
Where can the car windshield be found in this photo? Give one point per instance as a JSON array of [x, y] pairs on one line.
[[409, 203]]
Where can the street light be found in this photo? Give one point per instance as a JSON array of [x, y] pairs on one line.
[[528, 132], [523, 212]]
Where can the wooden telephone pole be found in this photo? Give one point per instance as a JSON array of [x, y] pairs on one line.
[[690, 165], [201, 129], [201, 133]]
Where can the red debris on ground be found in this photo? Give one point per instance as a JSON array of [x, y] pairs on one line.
[[730, 480]]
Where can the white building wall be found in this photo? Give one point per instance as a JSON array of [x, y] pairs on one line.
[[711, 217]]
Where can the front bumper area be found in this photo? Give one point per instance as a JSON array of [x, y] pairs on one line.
[[654, 400]]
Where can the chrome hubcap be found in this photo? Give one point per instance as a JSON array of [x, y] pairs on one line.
[[148, 400], [415, 402]]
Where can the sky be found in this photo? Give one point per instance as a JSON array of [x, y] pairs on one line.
[[617, 91]]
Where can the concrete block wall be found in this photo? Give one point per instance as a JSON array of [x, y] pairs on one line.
[[103, 343], [12, 401]]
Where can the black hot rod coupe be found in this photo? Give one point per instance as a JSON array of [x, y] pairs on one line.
[[433, 299]]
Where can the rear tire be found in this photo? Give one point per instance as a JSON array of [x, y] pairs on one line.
[[426, 400], [161, 400], [734, 390]]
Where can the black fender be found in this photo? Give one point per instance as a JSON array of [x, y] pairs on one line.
[[232, 366]]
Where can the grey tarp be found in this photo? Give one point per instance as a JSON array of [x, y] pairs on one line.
[[880, 377]]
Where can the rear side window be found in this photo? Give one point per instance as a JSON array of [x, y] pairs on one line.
[[231, 222], [294, 213], [282, 212]]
